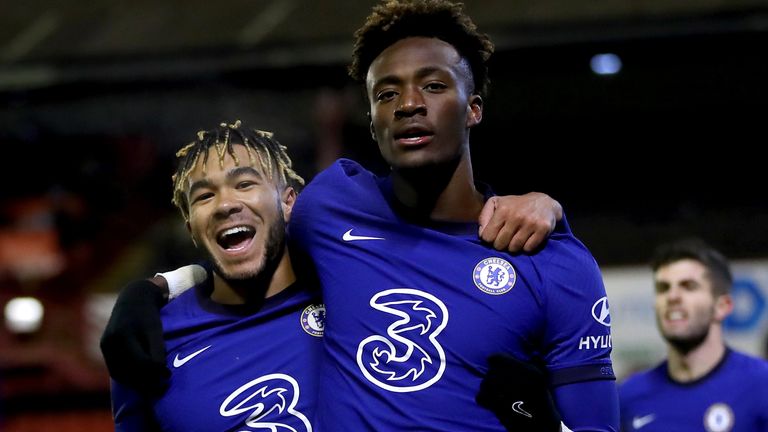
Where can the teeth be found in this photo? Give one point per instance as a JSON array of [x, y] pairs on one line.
[[234, 230], [675, 315]]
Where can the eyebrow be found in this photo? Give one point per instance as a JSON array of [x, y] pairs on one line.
[[231, 174], [394, 79]]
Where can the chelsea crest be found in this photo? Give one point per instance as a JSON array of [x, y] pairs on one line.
[[494, 276], [313, 319]]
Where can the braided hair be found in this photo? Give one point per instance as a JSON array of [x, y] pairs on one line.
[[262, 149]]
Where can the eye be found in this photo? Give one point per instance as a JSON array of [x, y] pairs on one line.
[[245, 184], [385, 95], [202, 197], [691, 286], [435, 86]]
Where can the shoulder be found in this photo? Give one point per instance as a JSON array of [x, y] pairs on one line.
[[344, 178], [643, 384], [563, 248], [748, 364], [341, 170], [566, 261]]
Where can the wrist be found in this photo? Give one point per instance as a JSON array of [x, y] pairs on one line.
[[183, 278], [162, 285]]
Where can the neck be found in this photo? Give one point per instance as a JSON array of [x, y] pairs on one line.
[[267, 283], [444, 192], [694, 364]]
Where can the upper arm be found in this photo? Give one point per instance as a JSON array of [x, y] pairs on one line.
[[578, 332], [578, 340]]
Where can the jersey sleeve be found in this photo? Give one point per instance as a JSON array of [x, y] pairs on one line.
[[577, 338], [588, 406]]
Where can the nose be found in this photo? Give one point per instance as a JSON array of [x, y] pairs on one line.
[[673, 294], [227, 205], [411, 104]]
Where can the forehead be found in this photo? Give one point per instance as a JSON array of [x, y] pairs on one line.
[[681, 270], [412, 54], [219, 165]]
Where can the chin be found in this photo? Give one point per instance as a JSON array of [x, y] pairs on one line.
[[688, 342], [240, 271], [414, 161]]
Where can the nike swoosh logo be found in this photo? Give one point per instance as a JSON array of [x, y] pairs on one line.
[[348, 236], [639, 422], [179, 362], [518, 408]]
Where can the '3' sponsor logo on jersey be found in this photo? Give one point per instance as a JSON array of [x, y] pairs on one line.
[[268, 402], [408, 357]]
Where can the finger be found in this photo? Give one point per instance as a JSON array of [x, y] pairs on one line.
[[486, 214], [518, 242], [493, 229], [535, 241], [504, 236]]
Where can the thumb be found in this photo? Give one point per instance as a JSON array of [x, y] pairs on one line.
[[485, 214]]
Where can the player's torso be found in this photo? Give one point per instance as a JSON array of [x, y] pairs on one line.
[[250, 373], [727, 401], [414, 313], [711, 410], [418, 326]]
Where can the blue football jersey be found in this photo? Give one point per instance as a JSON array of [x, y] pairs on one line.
[[234, 368], [733, 397], [415, 311]]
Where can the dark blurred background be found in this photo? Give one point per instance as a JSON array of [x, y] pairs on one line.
[[95, 98]]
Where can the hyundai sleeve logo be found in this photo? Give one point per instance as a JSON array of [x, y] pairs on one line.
[[601, 313]]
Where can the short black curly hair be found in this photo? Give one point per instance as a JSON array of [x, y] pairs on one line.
[[394, 20], [696, 249]]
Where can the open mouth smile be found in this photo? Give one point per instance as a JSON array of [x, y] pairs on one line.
[[236, 238]]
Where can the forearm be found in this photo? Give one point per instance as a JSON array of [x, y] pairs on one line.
[[589, 406]]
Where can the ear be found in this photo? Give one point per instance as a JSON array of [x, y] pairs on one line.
[[370, 126], [475, 113], [287, 200], [723, 307], [189, 230]]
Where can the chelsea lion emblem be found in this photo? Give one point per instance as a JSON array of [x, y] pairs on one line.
[[494, 276], [313, 319]]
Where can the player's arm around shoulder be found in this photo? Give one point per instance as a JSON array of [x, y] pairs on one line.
[[519, 223]]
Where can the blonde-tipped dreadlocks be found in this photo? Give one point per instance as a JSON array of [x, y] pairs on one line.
[[271, 156]]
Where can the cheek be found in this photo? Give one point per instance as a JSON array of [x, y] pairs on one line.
[[378, 123], [265, 205], [453, 115], [197, 224]]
